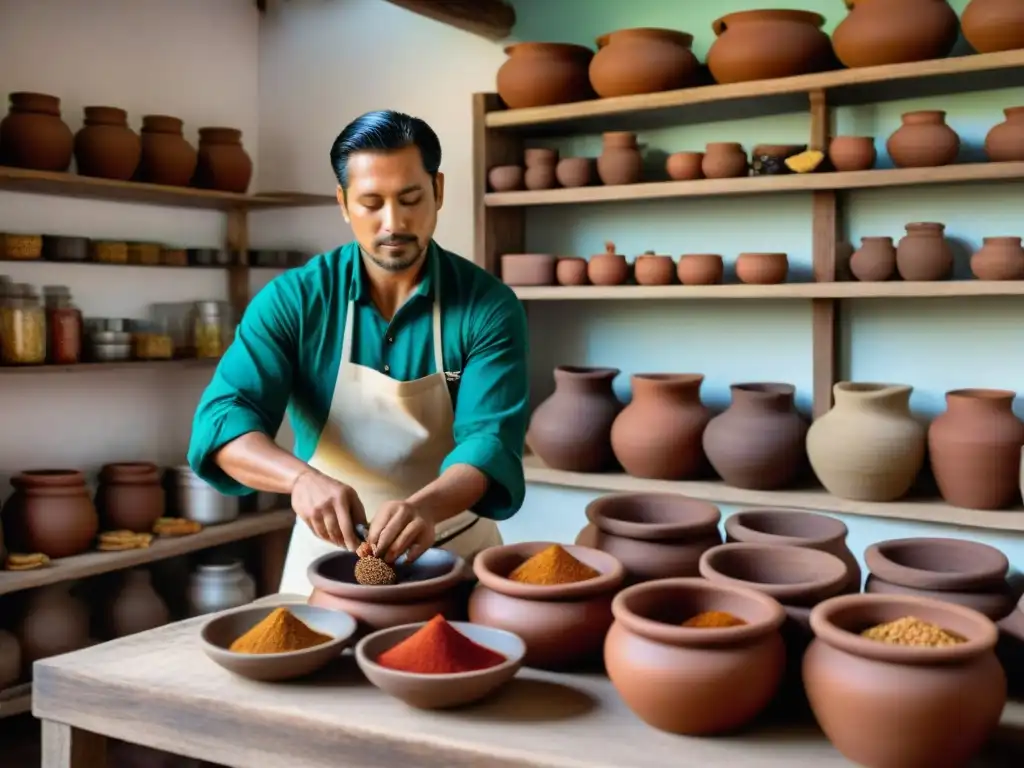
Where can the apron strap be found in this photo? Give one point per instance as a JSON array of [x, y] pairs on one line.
[[346, 338]]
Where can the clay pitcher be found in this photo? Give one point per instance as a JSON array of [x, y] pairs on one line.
[[923, 141], [923, 254], [571, 430], [766, 44], [994, 25], [999, 258], [33, 136], [55, 622], [223, 163], [136, 606], [167, 158], [975, 449], [879, 32], [106, 147], [1005, 142], [543, 74], [643, 60]]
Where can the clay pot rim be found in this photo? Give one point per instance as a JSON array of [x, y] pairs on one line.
[[402, 592], [989, 565], [831, 618], [763, 389], [48, 478], [925, 225], [859, 139], [763, 255], [980, 394], [826, 573], [576, 159], [718, 26], [712, 256], [684, 39], [870, 389], [672, 378], [1001, 239], [696, 516], [741, 522], [588, 372], [570, 48], [493, 564], [572, 258], [33, 101], [1013, 110], [876, 239], [541, 155], [654, 257], [770, 612], [104, 112], [529, 256], [224, 133], [922, 113], [607, 255]]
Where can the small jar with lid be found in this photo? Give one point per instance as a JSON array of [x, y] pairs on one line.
[[211, 330], [22, 327], [63, 326]]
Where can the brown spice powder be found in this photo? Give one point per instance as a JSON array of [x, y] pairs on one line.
[[714, 619]]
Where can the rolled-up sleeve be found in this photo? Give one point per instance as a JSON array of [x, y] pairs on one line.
[[491, 409]]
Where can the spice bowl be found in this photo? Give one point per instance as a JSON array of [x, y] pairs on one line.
[[217, 635]]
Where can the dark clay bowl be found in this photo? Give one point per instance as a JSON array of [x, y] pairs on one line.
[[940, 564], [653, 516]]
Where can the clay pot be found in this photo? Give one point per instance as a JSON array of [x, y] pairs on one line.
[[766, 44], [1010, 650], [993, 25], [875, 260], [975, 447], [136, 607], [643, 60], [575, 171], [33, 136], [506, 178], [540, 168], [620, 161], [1005, 142], [688, 680], [924, 140], [651, 269], [758, 441], [999, 258], [868, 447], [571, 270], [653, 535], [130, 496], [50, 512], [105, 147], [10, 659], [571, 430], [894, 706], [685, 166], [700, 269], [608, 268], [879, 32], [54, 622], [852, 153], [923, 253], [762, 268], [658, 435], [166, 157], [528, 269], [562, 625], [724, 160], [223, 163], [542, 74]]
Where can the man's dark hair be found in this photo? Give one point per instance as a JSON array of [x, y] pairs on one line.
[[382, 131]]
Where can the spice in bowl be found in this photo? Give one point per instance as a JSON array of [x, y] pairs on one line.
[[438, 648], [552, 566], [372, 571], [714, 620], [280, 632], [913, 631]]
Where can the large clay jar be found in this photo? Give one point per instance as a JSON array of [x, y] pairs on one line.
[[975, 448], [643, 60], [167, 158], [620, 161], [923, 253], [875, 260], [50, 512], [868, 447], [130, 496], [694, 681], [994, 25], [878, 32], [105, 147], [33, 136], [923, 140], [10, 659], [759, 441], [542, 74], [55, 622], [896, 706], [1005, 142], [571, 430], [765, 44], [136, 607], [724, 160], [999, 258], [223, 163], [658, 435]]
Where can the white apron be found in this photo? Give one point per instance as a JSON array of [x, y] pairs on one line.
[[386, 439]]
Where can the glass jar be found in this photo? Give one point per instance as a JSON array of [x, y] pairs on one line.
[[63, 327], [211, 330], [23, 327]]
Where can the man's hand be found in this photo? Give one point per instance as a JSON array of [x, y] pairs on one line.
[[401, 527], [331, 509]]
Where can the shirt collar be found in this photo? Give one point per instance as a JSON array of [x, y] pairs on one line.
[[359, 289]]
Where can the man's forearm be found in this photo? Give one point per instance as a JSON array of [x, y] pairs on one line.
[[259, 463], [458, 489]]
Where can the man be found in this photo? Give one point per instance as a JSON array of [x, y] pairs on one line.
[[403, 369]]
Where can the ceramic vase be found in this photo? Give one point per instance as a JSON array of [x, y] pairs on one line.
[[766, 44], [106, 147], [879, 32], [875, 260], [1005, 142], [54, 622], [50, 512], [643, 60], [136, 607], [999, 258], [167, 158], [620, 161], [923, 253], [923, 141], [994, 25], [33, 136], [542, 74], [852, 153], [223, 163]]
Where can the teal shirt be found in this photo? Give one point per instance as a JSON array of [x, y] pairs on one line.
[[287, 351]]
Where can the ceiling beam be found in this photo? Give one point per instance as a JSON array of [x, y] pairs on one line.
[[492, 19]]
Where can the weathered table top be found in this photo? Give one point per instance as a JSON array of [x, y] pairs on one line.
[[158, 689]]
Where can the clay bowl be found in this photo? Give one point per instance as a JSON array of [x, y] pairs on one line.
[[528, 269], [218, 633], [440, 691], [562, 625], [700, 269], [506, 178], [762, 268], [892, 706], [687, 680]]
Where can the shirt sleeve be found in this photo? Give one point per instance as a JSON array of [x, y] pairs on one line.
[[491, 409], [252, 384]]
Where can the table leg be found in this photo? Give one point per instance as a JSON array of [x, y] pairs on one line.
[[68, 747]]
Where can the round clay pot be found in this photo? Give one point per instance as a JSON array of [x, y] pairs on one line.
[[575, 171], [540, 168], [223, 163], [528, 269], [33, 136], [571, 430], [571, 270], [1005, 142], [975, 447], [54, 622], [689, 680], [105, 147], [685, 166], [766, 44], [924, 140], [700, 269], [620, 161], [868, 447], [923, 253], [999, 258], [167, 158], [50, 512], [542, 74], [758, 442], [651, 269], [879, 32], [10, 659], [852, 153], [658, 435], [643, 60], [896, 706], [563, 625], [875, 260], [506, 178], [724, 160], [653, 535], [762, 268], [130, 496], [608, 268], [136, 606], [993, 25]]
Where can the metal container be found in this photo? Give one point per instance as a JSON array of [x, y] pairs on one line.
[[110, 353], [218, 587], [195, 499]]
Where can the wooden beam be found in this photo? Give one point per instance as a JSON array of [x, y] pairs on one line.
[[492, 19]]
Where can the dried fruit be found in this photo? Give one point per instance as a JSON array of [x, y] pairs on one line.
[[805, 162]]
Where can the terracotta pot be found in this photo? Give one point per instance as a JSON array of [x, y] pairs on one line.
[[643, 60], [167, 158], [766, 44], [528, 269], [868, 447], [1005, 142], [685, 166], [974, 448], [571, 270], [620, 161], [924, 140], [758, 442], [373, 616], [608, 268], [33, 136], [762, 268], [1010, 649], [700, 269], [506, 178], [130, 496], [893, 706], [658, 435], [923, 253], [10, 659], [875, 260], [562, 625], [540, 168], [651, 269], [852, 153], [993, 25], [999, 258], [50, 512], [688, 680], [105, 147], [542, 74], [54, 622], [136, 607], [879, 32], [571, 430], [575, 171], [724, 160], [654, 535], [223, 163]]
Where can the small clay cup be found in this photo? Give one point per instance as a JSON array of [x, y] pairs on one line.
[[852, 153], [652, 269], [571, 270], [575, 171], [506, 178], [762, 268], [685, 166], [700, 269], [528, 269]]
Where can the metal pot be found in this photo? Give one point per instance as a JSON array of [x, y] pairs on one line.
[[198, 500], [218, 587]]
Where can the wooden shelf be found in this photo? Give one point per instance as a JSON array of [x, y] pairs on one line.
[[16, 700], [918, 510], [492, 19], [126, 365]]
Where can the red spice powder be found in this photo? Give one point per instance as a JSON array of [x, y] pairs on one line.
[[438, 648]]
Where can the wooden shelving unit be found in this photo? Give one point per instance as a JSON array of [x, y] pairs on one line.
[[126, 365]]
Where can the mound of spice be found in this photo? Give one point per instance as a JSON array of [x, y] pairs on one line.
[[714, 619], [552, 566], [372, 571], [438, 648], [913, 631], [280, 632]]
